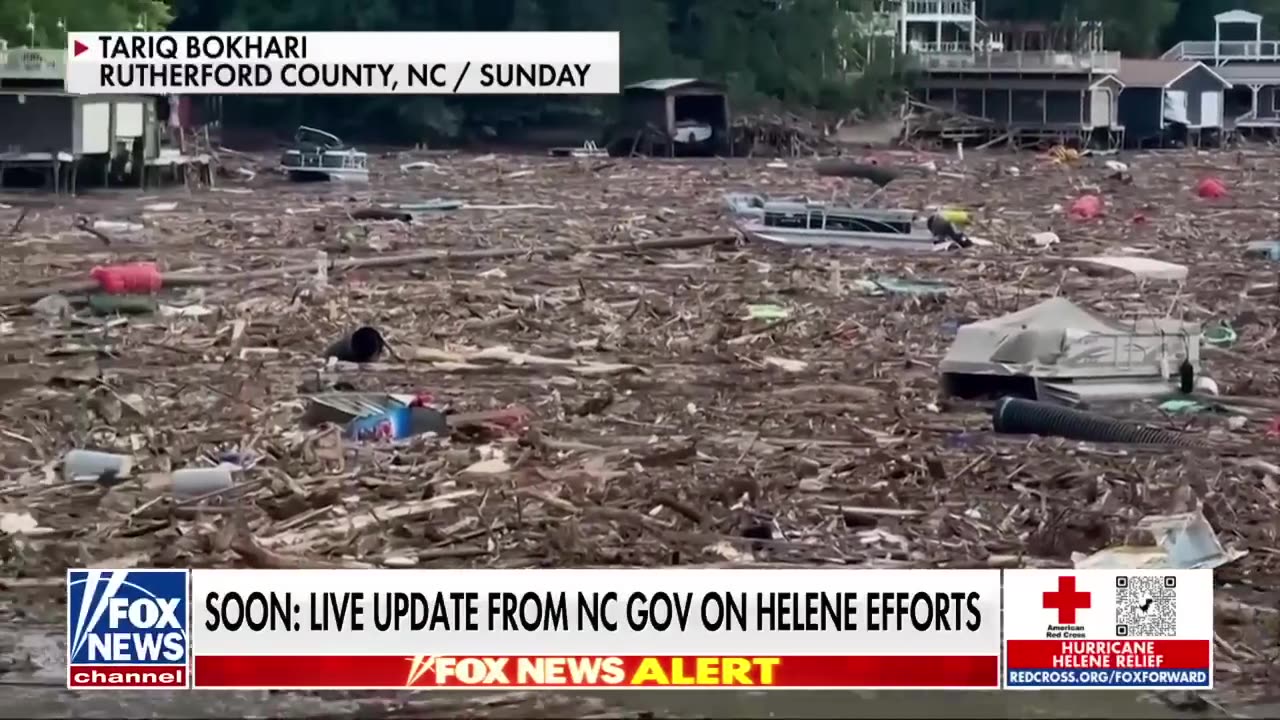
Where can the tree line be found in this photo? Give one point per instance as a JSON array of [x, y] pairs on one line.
[[820, 54]]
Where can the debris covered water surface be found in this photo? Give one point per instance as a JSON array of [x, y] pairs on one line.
[[580, 363]]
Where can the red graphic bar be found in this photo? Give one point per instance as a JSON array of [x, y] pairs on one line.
[[398, 671]]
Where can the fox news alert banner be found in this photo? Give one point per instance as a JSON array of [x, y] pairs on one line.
[[375, 629], [343, 63], [1150, 629]]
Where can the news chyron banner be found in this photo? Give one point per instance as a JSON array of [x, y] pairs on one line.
[[343, 63], [668, 628], [1149, 629], [598, 628]]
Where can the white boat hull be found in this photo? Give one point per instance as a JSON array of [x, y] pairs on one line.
[[803, 237]]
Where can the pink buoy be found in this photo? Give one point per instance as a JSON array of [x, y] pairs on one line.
[[1087, 207], [135, 278], [1211, 188]]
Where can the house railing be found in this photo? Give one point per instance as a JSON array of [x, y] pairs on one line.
[[1225, 50], [878, 23], [1021, 61], [952, 47], [32, 64], [965, 8]]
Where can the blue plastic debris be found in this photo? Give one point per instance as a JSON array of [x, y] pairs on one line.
[[1267, 249]]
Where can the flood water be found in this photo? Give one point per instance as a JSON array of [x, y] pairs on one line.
[[35, 690]]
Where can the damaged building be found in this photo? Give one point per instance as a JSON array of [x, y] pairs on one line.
[[1027, 82], [57, 139], [675, 117]]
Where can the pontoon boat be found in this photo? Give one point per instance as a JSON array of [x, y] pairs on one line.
[[807, 223], [320, 156]]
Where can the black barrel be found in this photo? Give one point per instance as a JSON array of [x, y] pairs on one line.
[[1016, 416], [364, 344]]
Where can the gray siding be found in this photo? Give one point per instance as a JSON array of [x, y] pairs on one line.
[[43, 123], [1245, 76], [1142, 108], [1200, 80]]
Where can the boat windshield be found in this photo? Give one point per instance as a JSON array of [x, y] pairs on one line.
[[838, 222], [343, 160], [313, 138]]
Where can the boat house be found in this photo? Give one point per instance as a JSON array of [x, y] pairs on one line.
[[1029, 82], [66, 140], [673, 116], [1251, 65], [1164, 100]]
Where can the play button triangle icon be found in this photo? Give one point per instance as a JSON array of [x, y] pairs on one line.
[[79, 48]]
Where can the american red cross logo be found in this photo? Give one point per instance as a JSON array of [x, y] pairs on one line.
[[1067, 600]]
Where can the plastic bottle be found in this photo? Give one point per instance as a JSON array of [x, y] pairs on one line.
[[90, 465], [195, 482]]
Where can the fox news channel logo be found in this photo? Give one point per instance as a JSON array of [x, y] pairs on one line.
[[127, 629]]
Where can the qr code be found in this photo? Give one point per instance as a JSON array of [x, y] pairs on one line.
[[1146, 606]]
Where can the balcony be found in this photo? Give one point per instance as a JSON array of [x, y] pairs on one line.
[[1046, 62], [1226, 50], [32, 64], [880, 24], [945, 10]]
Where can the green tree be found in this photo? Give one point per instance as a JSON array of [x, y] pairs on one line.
[[802, 52], [789, 50], [44, 23], [1133, 27]]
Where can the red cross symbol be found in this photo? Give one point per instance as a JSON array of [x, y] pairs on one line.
[[1067, 600]]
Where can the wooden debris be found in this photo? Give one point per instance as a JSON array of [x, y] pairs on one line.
[[596, 338], [879, 175], [777, 135]]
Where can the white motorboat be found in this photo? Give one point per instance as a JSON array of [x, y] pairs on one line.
[[320, 156]]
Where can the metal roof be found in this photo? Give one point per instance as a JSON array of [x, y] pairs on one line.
[[1237, 16], [996, 85], [1251, 73], [1159, 73], [664, 84], [1152, 73]]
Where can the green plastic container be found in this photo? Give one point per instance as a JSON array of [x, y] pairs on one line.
[[103, 304]]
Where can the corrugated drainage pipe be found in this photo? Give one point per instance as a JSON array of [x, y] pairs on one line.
[[1016, 416]]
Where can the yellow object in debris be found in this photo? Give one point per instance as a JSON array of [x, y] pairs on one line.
[[955, 216], [1063, 154]]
